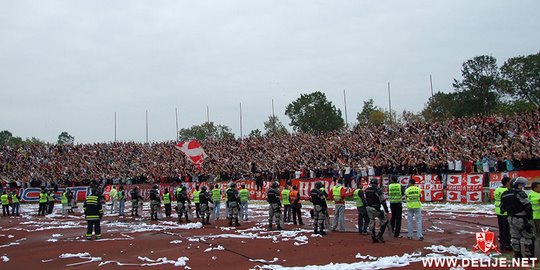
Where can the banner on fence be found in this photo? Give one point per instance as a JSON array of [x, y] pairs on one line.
[[465, 188], [30, 195], [496, 178], [431, 185]]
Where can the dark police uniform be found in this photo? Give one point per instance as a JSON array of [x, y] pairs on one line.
[[374, 200]]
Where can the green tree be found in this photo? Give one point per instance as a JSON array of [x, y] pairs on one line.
[[521, 78], [206, 130], [65, 138], [5, 137], [411, 117], [478, 89], [314, 113], [372, 115], [256, 133], [33, 141], [367, 110], [274, 127], [441, 106]]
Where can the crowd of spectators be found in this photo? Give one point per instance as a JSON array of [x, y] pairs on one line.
[[476, 144]]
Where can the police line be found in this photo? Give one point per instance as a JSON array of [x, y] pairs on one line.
[[464, 188]]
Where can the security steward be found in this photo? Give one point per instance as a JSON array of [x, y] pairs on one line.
[[395, 196], [216, 200], [516, 203], [93, 214], [196, 200], [534, 197], [374, 199], [204, 199], [286, 198], [502, 218], [244, 202], [5, 203], [15, 203], [233, 204], [363, 218], [167, 202], [320, 208], [274, 212], [43, 198]]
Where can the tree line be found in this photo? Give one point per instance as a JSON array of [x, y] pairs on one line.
[[484, 89]]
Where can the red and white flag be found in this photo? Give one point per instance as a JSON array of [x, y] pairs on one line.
[[194, 152]]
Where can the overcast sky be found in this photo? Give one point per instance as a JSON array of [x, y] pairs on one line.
[[70, 65]]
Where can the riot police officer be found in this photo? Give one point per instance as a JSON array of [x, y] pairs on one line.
[[233, 204], [516, 203], [134, 201], [320, 209], [374, 200], [182, 203], [274, 212], [154, 202], [204, 208]]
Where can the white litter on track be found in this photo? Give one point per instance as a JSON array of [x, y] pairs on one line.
[[387, 261], [85, 256], [181, 261], [219, 247]]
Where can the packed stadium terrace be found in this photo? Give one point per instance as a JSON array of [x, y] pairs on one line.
[[477, 144]]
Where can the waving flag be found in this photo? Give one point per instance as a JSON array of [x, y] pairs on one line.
[[193, 151]]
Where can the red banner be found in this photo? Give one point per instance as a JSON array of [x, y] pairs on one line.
[[495, 178], [431, 185], [465, 188]]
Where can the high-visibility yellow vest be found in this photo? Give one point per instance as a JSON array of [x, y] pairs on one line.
[[413, 197], [5, 199], [244, 195], [166, 198], [336, 192], [534, 197], [394, 193], [216, 194], [14, 198], [196, 196], [357, 198], [497, 196], [64, 199], [113, 193], [43, 197], [50, 197], [285, 197]]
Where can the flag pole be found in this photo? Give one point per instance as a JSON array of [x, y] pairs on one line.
[[345, 101], [207, 114], [389, 104], [431, 84], [146, 126], [114, 126], [241, 133], [177, 134], [273, 115]]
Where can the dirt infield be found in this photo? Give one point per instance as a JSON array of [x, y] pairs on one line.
[[57, 242]]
